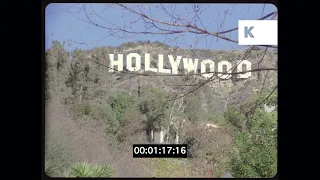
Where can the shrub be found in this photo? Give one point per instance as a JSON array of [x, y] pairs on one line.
[[256, 146], [132, 123], [154, 105], [85, 169], [83, 108], [194, 109], [257, 149], [235, 117], [105, 113], [98, 111], [120, 103]]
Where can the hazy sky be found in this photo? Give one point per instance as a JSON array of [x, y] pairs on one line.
[[63, 23]]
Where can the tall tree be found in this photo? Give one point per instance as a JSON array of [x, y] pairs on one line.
[[155, 105], [256, 147]]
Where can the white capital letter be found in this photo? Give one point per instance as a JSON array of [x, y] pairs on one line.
[[174, 63], [129, 62], [248, 68], [220, 69], [190, 66], [203, 68], [147, 63], [160, 65], [113, 63]]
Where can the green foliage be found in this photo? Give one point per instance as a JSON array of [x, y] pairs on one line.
[[211, 149], [106, 114], [170, 168], [256, 143], [100, 112], [132, 122], [82, 74], [85, 169], [273, 99], [76, 76], [83, 109], [194, 109], [79, 170], [154, 105], [125, 116], [60, 53], [257, 148], [235, 116], [214, 115], [56, 59], [56, 44], [116, 114], [120, 103]]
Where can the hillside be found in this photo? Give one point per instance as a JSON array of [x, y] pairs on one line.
[[128, 82], [94, 115]]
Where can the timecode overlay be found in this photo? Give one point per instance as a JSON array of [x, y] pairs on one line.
[[160, 150]]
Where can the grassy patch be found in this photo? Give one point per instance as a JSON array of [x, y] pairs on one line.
[[57, 152], [82, 169], [85, 169], [170, 168]]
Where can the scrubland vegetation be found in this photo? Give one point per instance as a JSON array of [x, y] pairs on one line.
[[93, 117]]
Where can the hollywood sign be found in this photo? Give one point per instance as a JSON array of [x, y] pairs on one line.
[[189, 65]]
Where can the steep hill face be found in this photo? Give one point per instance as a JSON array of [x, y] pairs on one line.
[[83, 124], [87, 71], [232, 91]]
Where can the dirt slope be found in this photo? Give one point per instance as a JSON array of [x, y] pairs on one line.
[[67, 142]]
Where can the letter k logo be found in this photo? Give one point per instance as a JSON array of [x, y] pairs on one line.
[[248, 31]]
